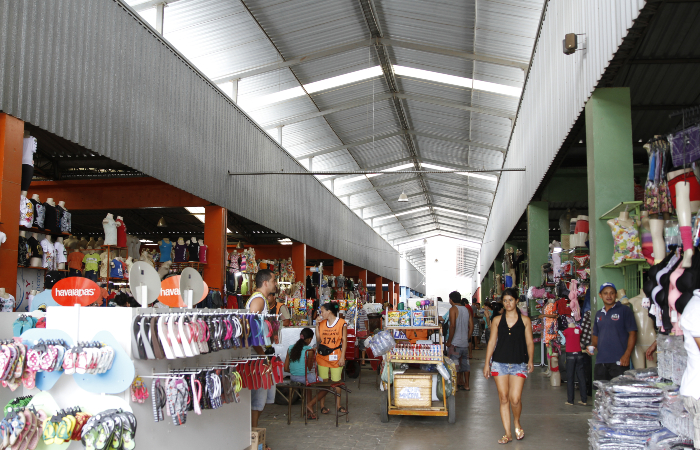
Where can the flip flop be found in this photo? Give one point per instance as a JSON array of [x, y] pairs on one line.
[[519, 433]]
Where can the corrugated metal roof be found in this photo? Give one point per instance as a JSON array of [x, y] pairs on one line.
[[225, 38]]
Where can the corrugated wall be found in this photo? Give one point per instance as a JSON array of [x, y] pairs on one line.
[[90, 72], [556, 92]]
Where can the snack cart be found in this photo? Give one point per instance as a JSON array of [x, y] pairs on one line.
[[410, 393]]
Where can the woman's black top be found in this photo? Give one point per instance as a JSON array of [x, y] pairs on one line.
[[511, 347]]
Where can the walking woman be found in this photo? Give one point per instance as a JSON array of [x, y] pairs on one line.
[[332, 338], [512, 350]]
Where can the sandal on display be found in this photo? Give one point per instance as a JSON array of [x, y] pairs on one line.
[[163, 335]]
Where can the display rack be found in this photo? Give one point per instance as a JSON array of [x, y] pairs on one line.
[[634, 209], [40, 231], [446, 408]]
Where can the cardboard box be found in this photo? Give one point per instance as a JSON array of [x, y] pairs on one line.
[[257, 439], [413, 390]]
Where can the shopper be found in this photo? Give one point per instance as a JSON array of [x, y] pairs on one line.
[[280, 308], [461, 328], [476, 335], [574, 364], [512, 350], [488, 314], [614, 335], [295, 364], [265, 284], [332, 332], [361, 330]]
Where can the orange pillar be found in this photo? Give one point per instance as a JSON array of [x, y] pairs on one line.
[[11, 135], [299, 261], [363, 277], [338, 267], [215, 218], [391, 299], [397, 294], [379, 290]]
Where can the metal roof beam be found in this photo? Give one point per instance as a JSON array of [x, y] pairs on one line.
[[432, 233], [382, 97], [151, 4], [368, 140], [462, 185], [290, 62], [398, 211], [375, 187]]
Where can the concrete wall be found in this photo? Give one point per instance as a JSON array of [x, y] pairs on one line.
[[441, 269]]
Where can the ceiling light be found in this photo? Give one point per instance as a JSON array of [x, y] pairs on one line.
[[195, 209], [161, 223], [285, 241], [317, 86], [403, 197], [147, 241], [458, 81], [468, 174], [228, 230]]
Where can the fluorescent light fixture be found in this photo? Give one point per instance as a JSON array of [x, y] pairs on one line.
[[317, 86], [195, 209], [458, 81], [468, 174], [147, 241], [458, 212], [285, 241], [353, 179], [228, 230]]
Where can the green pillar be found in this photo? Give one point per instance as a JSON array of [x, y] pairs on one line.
[[537, 240], [610, 176]]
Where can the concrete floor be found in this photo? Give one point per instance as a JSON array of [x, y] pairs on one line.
[[548, 423]]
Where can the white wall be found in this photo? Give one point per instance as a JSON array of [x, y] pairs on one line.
[[441, 269]]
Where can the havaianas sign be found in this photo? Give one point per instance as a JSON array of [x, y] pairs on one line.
[[76, 291], [170, 293]]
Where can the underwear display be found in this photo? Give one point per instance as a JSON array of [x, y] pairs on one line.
[[688, 177]]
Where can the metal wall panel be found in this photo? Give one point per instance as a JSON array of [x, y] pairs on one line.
[[556, 92], [91, 72]]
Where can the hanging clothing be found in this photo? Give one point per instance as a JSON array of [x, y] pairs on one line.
[[627, 245], [121, 233], [51, 219], [180, 252], [203, 254], [49, 255], [166, 250], [23, 252], [61, 255], [34, 247], [193, 251], [65, 221], [117, 271]]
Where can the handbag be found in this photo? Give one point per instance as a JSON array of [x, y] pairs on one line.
[[325, 350]]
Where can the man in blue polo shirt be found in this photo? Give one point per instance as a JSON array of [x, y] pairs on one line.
[[614, 335]]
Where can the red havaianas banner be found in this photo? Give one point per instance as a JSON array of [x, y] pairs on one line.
[[76, 291], [170, 293]]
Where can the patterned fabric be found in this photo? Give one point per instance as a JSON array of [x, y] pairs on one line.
[[586, 329], [685, 146], [550, 325], [66, 222], [627, 245]]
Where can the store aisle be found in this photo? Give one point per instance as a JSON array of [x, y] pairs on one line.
[[548, 423]]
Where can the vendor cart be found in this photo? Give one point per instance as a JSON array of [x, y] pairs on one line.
[[391, 406]]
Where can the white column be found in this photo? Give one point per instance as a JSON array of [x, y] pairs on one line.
[[160, 15], [234, 90], [311, 164], [279, 135]]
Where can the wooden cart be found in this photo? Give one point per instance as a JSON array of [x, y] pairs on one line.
[[445, 408]]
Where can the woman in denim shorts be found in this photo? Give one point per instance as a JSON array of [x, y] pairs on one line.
[[512, 350]]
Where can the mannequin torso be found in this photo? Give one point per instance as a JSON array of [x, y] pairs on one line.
[[626, 237], [193, 250], [110, 229], [61, 255]]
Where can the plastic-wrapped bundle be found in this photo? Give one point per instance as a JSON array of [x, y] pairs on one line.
[[631, 387], [381, 343], [665, 439], [649, 374]]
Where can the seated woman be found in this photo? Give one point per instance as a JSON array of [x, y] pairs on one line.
[[332, 337], [294, 364]]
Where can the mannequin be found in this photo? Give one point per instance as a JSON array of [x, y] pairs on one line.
[[35, 249], [121, 232], [498, 284], [202, 252], [164, 269], [581, 230], [64, 217], [555, 378], [29, 145], [52, 221], [7, 302], [83, 242], [49, 253], [110, 228], [166, 250], [656, 226], [26, 211], [92, 243], [100, 242], [193, 250], [646, 335], [180, 250], [685, 208], [61, 254], [104, 265], [38, 212], [623, 227], [70, 242], [23, 253]]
